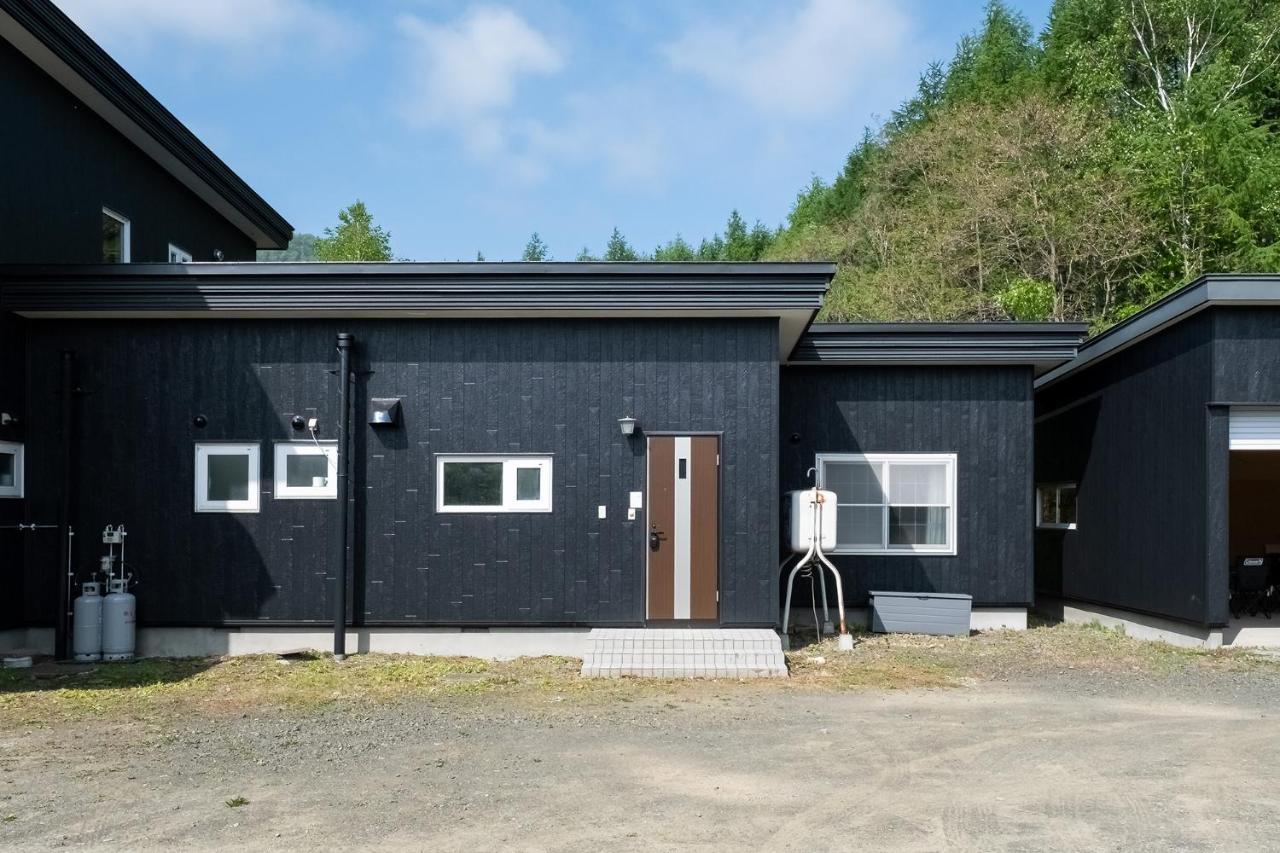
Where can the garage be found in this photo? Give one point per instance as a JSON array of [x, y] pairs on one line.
[[1254, 519]]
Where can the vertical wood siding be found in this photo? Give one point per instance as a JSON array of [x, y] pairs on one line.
[[62, 164], [982, 414], [13, 395], [468, 386], [1131, 432]]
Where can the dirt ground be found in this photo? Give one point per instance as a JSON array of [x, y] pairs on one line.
[[1093, 743]]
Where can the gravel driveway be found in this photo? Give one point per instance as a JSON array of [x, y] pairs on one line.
[[1063, 761]]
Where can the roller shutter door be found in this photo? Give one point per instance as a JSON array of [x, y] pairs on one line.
[[1255, 429]]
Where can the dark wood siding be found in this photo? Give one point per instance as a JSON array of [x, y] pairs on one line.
[[982, 414], [1131, 431], [13, 400], [62, 164], [532, 386]]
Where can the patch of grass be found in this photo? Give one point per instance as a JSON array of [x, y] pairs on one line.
[[157, 690], [237, 802]]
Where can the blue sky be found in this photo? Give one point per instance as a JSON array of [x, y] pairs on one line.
[[465, 126]]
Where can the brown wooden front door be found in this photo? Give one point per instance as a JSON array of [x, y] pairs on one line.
[[683, 545]]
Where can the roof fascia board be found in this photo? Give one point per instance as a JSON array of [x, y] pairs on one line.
[[1043, 345], [791, 293]]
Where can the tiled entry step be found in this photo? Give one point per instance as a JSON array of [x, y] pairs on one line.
[[684, 653]]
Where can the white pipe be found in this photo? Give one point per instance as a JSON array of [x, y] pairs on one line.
[[815, 550]]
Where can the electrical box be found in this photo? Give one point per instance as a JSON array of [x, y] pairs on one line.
[[801, 519]]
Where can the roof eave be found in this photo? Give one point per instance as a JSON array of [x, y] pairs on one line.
[[1204, 292]]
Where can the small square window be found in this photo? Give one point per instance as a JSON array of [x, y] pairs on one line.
[[178, 255], [10, 469], [493, 483], [306, 469], [1056, 506], [227, 477], [115, 237]]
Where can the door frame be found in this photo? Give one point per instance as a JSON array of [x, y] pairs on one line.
[[718, 434]]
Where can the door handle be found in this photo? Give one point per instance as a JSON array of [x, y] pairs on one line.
[[656, 538]]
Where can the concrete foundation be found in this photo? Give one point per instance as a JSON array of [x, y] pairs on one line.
[[1138, 625], [493, 643], [38, 641]]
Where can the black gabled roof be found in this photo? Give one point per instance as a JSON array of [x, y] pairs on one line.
[[61, 48], [1043, 345], [791, 292]]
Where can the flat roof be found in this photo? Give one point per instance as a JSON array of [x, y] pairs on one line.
[[46, 36], [790, 292], [1185, 302], [1041, 345]]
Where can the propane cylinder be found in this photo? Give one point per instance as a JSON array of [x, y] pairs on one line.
[[118, 617], [86, 610]]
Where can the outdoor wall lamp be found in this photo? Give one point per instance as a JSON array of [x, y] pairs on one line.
[[384, 411], [627, 425]]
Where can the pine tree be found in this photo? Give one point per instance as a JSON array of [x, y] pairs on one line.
[[618, 249], [535, 249]]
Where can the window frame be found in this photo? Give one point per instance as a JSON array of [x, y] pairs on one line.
[[887, 549], [205, 449], [126, 235], [511, 463], [280, 475], [19, 451], [184, 257], [1041, 524]]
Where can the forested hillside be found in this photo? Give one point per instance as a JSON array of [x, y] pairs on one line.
[[1080, 174]]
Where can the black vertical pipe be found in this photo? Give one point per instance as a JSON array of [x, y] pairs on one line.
[[344, 446], [62, 624]]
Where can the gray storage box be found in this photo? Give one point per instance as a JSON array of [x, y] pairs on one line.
[[920, 613]]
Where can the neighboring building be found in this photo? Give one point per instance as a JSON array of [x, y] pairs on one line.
[[97, 171], [1158, 464]]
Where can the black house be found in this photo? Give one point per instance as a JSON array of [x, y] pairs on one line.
[[1158, 464], [531, 450]]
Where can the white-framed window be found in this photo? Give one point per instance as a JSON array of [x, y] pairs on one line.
[[892, 503], [1056, 506], [178, 255], [11, 453], [479, 483], [227, 477], [115, 237], [306, 470]]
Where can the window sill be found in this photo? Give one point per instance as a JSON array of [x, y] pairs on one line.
[[895, 552]]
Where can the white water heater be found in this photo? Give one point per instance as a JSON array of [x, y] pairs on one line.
[[802, 518], [86, 638]]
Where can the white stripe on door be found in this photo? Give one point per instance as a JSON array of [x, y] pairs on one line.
[[681, 540]]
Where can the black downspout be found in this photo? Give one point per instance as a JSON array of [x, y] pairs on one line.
[[344, 445], [62, 624]]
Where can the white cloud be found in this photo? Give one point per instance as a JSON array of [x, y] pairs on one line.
[[799, 66], [464, 75], [240, 25]]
